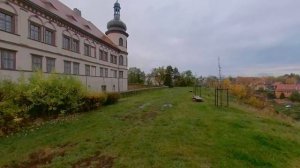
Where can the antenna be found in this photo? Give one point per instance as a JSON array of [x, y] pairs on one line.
[[220, 70]]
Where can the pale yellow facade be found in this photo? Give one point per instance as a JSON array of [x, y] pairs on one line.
[[20, 43]]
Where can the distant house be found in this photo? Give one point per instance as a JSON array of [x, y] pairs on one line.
[[286, 89]]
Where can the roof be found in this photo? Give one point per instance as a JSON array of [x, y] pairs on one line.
[[67, 14], [287, 87]]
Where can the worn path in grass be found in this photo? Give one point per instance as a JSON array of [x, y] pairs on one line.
[[162, 128]]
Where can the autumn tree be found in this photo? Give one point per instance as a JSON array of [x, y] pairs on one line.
[[240, 91]]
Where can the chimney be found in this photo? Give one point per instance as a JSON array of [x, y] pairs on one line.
[[77, 11]]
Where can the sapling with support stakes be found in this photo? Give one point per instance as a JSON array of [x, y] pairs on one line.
[[220, 90]]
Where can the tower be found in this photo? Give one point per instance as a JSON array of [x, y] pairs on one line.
[[116, 29]]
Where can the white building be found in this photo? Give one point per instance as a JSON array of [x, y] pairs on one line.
[[47, 35]]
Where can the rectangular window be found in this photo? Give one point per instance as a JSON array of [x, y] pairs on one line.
[[37, 63], [87, 70], [87, 50], [67, 67], [106, 56], [114, 73], [34, 31], [93, 52], [49, 37], [66, 42], [93, 71], [106, 72], [101, 55], [75, 45], [120, 74], [8, 59], [50, 64], [6, 22], [75, 68], [103, 88], [121, 60], [101, 72], [113, 59]]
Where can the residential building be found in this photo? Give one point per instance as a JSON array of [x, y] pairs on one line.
[[48, 36], [286, 89]]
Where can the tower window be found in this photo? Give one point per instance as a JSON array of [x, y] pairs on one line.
[[121, 42]]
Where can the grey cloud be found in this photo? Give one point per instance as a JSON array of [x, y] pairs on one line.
[[251, 36]]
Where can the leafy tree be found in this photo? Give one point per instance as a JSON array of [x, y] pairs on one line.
[[135, 75], [189, 78], [176, 77], [211, 81], [295, 96], [291, 80], [169, 77], [226, 83], [159, 75], [239, 91]]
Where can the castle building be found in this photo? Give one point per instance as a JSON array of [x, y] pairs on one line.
[[47, 35]]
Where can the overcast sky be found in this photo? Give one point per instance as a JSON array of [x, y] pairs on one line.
[[251, 37]]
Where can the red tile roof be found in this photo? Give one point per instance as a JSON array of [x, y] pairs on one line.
[[67, 14], [287, 87]]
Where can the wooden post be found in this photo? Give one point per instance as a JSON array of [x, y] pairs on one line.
[[221, 97], [227, 99]]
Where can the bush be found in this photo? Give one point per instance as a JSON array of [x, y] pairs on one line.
[[42, 96], [255, 102], [112, 98], [54, 95], [295, 97], [93, 100]]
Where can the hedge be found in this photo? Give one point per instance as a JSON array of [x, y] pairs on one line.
[[40, 97]]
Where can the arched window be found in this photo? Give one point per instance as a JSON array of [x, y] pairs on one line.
[[121, 60], [121, 42]]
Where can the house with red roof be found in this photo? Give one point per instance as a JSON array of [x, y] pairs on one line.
[[48, 36], [286, 89]]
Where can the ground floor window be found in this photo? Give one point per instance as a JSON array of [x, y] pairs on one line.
[[121, 74], [93, 70], [37, 63], [50, 63], [103, 88], [8, 59], [114, 73], [67, 67], [75, 68], [101, 72], [106, 72], [87, 70]]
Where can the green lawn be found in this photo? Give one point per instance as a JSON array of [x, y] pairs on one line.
[[162, 128]]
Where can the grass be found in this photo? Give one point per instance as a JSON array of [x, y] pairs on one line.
[[162, 128]]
